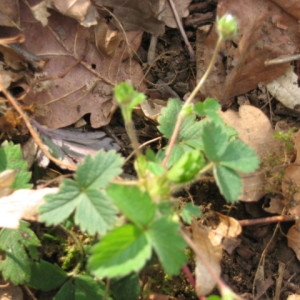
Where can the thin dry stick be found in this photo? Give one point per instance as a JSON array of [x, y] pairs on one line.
[[33, 132], [180, 27], [189, 100]]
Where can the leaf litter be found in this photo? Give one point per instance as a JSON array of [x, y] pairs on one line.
[[72, 74]]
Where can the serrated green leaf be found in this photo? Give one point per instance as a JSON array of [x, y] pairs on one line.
[[189, 133], [215, 140], [46, 276], [208, 108], [167, 242], [120, 252], [136, 205], [240, 157], [97, 171], [11, 158], [229, 182], [94, 210], [16, 265], [81, 287], [126, 288]]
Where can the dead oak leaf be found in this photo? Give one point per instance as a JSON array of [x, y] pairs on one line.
[[265, 32], [77, 79]]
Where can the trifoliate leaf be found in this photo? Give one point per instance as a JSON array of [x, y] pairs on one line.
[[82, 287], [19, 245], [120, 252], [240, 157], [11, 158], [167, 242], [46, 276], [97, 171], [94, 210], [136, 205], [229, 182]]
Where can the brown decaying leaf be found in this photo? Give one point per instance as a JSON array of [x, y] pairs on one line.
[[9, 13], [290, 6], [77, 79], [211, 254], [265, 32], [81, 10], [22, 204], [254, 129], [293, 237], [11, 292]]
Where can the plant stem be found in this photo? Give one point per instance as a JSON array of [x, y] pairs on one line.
[[181, 116], [132, 136]]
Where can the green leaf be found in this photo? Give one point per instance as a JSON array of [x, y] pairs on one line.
[[136, 205], [215, 140], [120, 252], [94, 210], [18, 245], [208, 108], [97, 171], [126, 288], [240, 157], [46, 276], [189, 211], [164, 236], [229, 182], [11, 158], [189, 133], [81, 287]]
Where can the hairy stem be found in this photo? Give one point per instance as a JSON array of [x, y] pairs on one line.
[[181, 116]]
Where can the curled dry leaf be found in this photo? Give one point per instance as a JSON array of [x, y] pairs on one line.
[[293, 237], [211, 256], [81, 10], [285, 89], [265, 32], [254, 129], [77, 79], [22, 204]]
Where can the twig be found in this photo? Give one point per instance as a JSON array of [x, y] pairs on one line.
[[268, 220], [32, 131], [183, 34]]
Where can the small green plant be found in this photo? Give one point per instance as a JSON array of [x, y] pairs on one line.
[[129, 222]]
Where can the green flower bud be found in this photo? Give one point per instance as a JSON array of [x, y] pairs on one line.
[[227, 26], [187, 168], [187, 110]]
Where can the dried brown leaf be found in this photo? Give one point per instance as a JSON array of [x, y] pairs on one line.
[[293, 237], [11, 292], [77, 79], [266, 32], [81, 10], [290, 6], [254, 129], [9, 13], [211, 255]]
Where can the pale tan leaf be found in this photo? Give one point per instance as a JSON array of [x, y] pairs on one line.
[[81, 10], [11, 292], [22, 204], [211, 254], [285, 89], [9, 13], [254, 129], [293, 237]]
